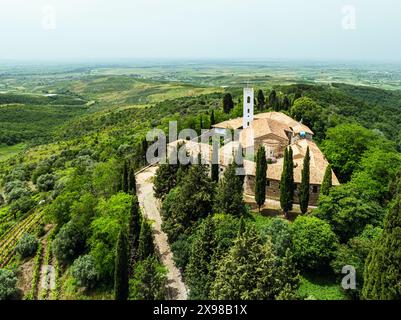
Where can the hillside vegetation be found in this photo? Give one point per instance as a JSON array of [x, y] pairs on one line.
[[73, 189]]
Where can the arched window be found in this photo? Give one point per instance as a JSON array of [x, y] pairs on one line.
[[248, 99]]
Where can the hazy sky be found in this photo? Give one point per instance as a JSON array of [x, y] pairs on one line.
[[233, 29]]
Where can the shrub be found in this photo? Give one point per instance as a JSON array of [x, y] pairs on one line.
[[84, 271], [23, 204], [280, 233], [8, 284], [18, 192], [69, 243], [314, 243], [46, 182], [27, 246]]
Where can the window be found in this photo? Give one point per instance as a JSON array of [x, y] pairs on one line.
[[249, 110], [248, 99], [315, 189], [268, 183], [247, 124]]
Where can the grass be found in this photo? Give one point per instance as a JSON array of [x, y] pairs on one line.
[[7, 152], [260, 221], [320, 288], [70, 290]]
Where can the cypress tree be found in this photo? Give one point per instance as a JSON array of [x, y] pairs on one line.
[[125, 177], [304, 189], [228, 103], [291, 175], [151, 282], [260, 180], [249, 271], [230, 193], [146, 246], [382, 275], [327, 182], [212, 119], [134, 231], [261, 100], [287, 183], [286, 103], [199, 270], [131, 179], [273, 101], [121, 268], [215, 172]]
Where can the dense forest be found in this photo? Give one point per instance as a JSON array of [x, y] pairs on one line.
[[69, 199]]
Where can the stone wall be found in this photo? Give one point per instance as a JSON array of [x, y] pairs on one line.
[[273, 190]]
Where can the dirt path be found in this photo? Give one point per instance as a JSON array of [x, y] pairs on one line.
[[46, 279], [148, 203]]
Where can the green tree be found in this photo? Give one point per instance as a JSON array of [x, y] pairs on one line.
[[125, 177], [280, 233], [215, 171], [286, 103], [134, 230], [59, 211], [261, 100], [69, 243], [344, 147], [380, 165], [149, 280], [274, 102], [249, 271], [355, 253], [165, 179], [260, 180], [84, 271], [27, 246], [382, 277], [146, 246], [8, 284], [190, 201], [198, 272], [121, 268], [327, 182], [310, 113], [46, 182], [287, 183], [113, 216], [314, 243], [348, 211], [228, 103], [230, 193], [304, 188], [212, 118], [131, 179]]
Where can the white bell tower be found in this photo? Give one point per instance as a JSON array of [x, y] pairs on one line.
[[248, 107]]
